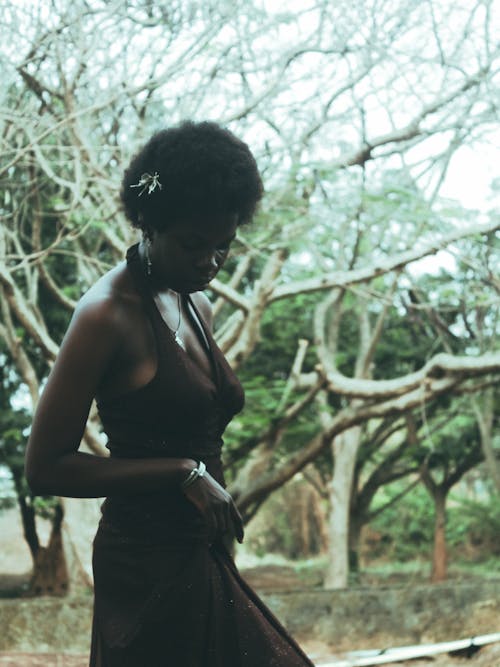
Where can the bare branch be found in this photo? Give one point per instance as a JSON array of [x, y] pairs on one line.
[[396, 262]]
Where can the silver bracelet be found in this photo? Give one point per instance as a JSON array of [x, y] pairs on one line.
[[195, 474]]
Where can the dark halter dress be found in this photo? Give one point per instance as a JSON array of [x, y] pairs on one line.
[[164, 597]]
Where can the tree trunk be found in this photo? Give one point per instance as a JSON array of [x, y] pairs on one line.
[[307, 519], [66, 562], [439, 557], [484, 414], [81, 518], [50, 573], [317, 519], [345, 449], [27, 513], [355, 528], [303, 523]]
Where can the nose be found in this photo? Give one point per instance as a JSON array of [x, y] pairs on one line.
[[208, 262]]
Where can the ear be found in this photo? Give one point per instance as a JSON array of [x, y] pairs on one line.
[[147, 231]]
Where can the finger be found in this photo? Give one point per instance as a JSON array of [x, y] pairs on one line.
[[219, 521], [212, 522], [228, 519], [237, 523]]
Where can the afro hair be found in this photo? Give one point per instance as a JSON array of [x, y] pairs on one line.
[[204, 171]]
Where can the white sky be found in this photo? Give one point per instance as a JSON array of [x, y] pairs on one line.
[[470, 174]]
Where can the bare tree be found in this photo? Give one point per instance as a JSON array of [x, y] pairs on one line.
[[355, 112]]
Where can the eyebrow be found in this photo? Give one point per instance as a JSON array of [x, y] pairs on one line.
[[203, 239]]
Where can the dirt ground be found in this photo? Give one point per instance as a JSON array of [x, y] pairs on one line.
[[488, 656], [319, 652], [42, 660]]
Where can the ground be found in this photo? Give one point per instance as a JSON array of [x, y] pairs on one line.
[[487, 657], [262, 578], [15, 561]]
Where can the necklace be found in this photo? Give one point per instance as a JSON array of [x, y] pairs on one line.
[[177, 337], [159, 302], [161, 309]]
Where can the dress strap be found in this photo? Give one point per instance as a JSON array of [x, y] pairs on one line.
[[198, 321], [205, 334]]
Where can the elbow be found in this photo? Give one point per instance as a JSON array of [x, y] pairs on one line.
[[37, 479], [34, 482]]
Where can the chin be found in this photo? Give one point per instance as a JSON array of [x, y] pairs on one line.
[[198, 286], [191, 289]]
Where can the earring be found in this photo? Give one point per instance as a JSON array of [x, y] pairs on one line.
[[147, 247]]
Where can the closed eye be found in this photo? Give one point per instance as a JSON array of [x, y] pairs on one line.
[[201, 246]]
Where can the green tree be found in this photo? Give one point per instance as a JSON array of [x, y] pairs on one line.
[[50, 575], [353, 163], [452, 452]]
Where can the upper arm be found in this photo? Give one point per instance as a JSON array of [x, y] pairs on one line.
[[85, 355]]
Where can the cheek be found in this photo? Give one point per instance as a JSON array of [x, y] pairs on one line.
[[178, 258]]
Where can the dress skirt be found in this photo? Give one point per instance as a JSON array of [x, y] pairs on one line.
[[179, 602]]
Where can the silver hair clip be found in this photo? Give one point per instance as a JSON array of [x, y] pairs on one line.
[[148, 182]]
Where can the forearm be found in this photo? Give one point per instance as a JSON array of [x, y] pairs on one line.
[[81, 475]]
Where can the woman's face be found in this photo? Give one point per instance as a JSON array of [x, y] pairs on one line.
[[188, 255]]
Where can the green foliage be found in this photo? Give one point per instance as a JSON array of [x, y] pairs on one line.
[[455, 447], [7, 490], [46, 506], [13, 422], [283, 324], [14, 427], [476, 524], [405, 528], [402, 348], [264, 376], [263, 398]]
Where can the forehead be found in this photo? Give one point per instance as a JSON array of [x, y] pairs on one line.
[[210, 229]]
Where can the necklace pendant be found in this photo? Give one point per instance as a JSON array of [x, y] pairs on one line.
[[179, 340]]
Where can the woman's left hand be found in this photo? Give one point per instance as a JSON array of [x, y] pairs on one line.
[[217, 506]]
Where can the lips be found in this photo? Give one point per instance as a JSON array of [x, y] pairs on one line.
[[200, 282], [207, 279]]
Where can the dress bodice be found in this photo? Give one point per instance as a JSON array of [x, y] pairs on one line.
[[181, 411]]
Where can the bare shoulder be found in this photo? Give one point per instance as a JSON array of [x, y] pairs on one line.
[[100, 325], [204, 307], [108, 302]]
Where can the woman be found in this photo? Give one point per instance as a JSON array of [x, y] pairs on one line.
[[167, 593]]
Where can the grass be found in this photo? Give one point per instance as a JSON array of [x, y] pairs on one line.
[[310, 572]]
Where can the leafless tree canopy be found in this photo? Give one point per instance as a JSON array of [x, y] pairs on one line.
[[355, 111]]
